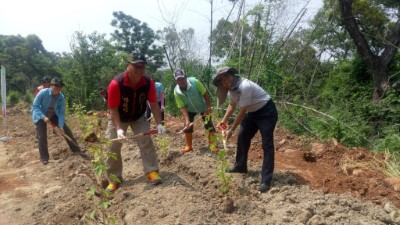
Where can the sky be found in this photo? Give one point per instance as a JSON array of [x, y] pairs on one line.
[[55, 21]]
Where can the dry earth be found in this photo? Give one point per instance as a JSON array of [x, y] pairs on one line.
[[314, 183]]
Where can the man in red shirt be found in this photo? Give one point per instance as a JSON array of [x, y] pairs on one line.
[[45, 83], [128, 93]]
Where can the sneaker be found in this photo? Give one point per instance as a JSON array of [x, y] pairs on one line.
[[154, 178], [112, 187]]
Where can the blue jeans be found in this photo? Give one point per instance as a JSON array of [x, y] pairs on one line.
[[263, 120]]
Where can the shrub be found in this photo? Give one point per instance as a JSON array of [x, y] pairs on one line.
[[13, 97]]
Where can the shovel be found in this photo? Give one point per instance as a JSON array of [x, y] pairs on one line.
[[58, 130], [222, 128], [135, 136], [188, 126]]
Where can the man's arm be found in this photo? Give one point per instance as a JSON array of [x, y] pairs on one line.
[[155, 109], [208, 102], [162, 101], [185, 115], [229, 111], [115, 118]]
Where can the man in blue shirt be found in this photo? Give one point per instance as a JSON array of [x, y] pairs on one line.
[[49, 108], [160, 100]]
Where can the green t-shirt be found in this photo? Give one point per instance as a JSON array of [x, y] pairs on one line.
[[192, 98]]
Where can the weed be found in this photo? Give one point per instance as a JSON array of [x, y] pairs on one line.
[[162, 143], [224, 178], [90, 126]]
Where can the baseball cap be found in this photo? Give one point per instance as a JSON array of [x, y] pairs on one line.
[[57, 82], [45, 79], [179, 73], [137, 58]]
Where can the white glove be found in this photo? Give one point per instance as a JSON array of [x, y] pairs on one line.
[[120, 134], [160, 129]]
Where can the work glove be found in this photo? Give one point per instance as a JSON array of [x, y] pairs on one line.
[[120, 134], [162, 108], [160, 129]]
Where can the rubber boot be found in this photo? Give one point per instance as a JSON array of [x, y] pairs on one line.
[[212, 141], [188, 140]]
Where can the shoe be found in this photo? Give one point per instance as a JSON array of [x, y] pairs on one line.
[[112, 187], [237, 169], [45, 162], [154, 178], [264, 187]]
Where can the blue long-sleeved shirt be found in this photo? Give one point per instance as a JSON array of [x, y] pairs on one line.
[[42, 103]]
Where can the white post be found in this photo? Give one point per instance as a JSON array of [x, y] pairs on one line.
[[4, 102]]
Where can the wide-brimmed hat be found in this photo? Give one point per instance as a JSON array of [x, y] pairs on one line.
[[137, 58], [221, 71], [179, 73], [57, 82], [221, 91]]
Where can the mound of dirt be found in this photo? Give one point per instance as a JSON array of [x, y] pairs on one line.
[[314, 182]]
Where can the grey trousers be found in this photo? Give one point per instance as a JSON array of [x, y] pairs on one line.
[[147, 151], [41, 131]]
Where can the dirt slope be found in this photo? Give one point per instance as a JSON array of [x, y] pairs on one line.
[[314, 183]]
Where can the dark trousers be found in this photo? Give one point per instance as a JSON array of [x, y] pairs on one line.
[[41, 131], [263, 120], [148, 112], [208, 124]]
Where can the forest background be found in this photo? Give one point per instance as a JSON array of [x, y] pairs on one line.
[[338, 77]]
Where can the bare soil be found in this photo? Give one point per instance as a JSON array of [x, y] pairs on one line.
[[314, 182]]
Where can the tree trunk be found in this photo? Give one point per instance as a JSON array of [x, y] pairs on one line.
[[381, 80], [378, 64]]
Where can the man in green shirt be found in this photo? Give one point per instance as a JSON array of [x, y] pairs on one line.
[[192, 98]]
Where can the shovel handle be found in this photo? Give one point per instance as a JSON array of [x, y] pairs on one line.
[[136, 136]]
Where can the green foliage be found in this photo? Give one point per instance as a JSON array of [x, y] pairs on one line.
[[224, 178], [28, 97], [13, 98], [133, 35], [393, 163], [26, 61], [390, 141], [162, 143], [91, 65]]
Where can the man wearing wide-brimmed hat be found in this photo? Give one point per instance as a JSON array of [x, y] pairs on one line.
[[257, 112]]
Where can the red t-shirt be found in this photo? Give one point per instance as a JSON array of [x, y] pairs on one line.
[[114, 92]]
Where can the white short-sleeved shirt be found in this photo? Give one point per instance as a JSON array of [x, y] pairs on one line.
[[249, 94]]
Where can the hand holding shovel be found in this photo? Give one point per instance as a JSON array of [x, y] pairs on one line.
[[135, 136]]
